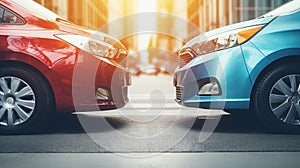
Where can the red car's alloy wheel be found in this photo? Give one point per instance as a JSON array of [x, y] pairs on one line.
[[25, 99], [17, 101]]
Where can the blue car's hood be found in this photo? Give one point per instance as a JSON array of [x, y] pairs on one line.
[[232, 27]]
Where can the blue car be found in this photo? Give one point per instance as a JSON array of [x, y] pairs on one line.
[[253, 65]]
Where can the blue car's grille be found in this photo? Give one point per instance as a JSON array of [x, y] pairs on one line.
[[184, 58], [179, 91]]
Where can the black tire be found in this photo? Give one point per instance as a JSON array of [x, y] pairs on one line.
[[270, 112], [40, 96]]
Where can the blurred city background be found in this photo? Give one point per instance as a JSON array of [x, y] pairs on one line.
[[157, 50]]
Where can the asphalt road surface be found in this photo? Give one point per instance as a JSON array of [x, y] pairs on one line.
[[151, 123]]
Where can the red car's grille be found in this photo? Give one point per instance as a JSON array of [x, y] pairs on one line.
[[125, 93], [122, 58]]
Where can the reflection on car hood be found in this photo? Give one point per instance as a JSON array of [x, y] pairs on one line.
[[208, 34], [75, 29], [71, 28]]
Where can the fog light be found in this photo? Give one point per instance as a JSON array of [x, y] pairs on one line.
[[210, 89], [102, 94]]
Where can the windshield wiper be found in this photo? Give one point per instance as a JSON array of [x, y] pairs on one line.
[[63, 20], [265, 16]]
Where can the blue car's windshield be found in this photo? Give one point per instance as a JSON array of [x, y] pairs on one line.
[[285, 9]]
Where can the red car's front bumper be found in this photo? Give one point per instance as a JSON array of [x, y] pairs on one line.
[[89, 83]]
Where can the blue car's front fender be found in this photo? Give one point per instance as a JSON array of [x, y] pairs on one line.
[[228, 68], [278, 40]]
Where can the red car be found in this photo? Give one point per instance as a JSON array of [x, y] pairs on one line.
[[48, 64]]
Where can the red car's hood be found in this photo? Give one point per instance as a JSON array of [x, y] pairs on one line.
[[71, 28], [75, 29]]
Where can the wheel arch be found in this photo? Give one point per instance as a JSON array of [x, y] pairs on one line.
[[293, 59], [5, 63]]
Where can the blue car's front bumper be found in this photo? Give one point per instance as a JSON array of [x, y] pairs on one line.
[[228, 68]]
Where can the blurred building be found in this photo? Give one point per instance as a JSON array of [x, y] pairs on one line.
[[205, 14], [211, 14], [88, 13]]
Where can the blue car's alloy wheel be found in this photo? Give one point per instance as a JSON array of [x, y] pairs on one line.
[[284, 99], [276, 98]]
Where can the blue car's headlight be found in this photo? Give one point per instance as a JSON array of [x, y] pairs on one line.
[[225, 40], [94, 46]]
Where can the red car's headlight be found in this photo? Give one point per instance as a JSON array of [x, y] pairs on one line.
[[91, 45]]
